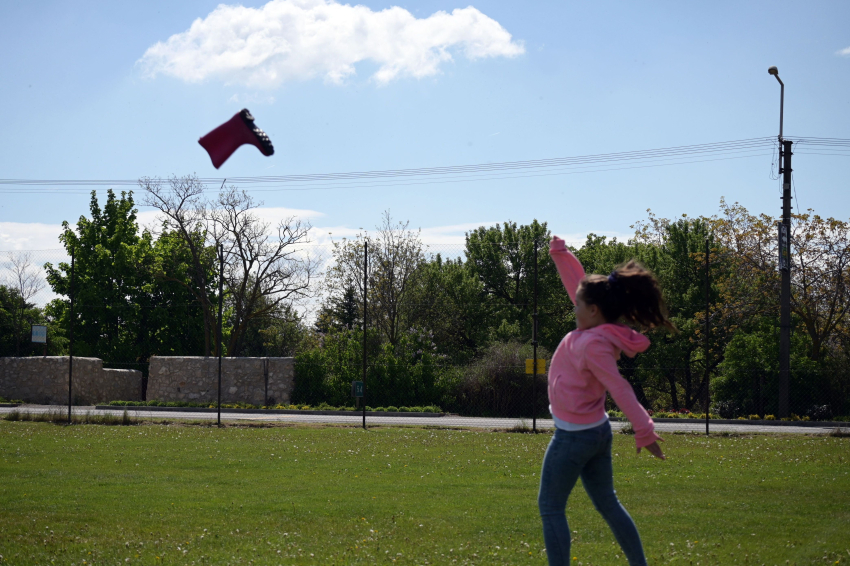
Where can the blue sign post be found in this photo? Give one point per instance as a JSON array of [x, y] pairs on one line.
[[39, 335]]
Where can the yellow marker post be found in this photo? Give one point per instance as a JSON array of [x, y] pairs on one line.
[[541, 366]]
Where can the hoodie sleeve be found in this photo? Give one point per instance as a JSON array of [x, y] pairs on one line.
[[569, 267], [601, 359]]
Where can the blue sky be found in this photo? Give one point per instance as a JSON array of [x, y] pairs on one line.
[[524, 81]]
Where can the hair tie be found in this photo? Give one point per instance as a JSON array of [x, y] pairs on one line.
[[612, 279]]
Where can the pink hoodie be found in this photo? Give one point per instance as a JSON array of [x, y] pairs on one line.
[[584, 365]]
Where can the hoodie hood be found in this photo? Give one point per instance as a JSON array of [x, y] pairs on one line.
[[626, 339]]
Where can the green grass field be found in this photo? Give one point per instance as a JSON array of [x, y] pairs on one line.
[[157, 494]]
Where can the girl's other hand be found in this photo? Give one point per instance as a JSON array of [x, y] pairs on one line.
[[655, 450]]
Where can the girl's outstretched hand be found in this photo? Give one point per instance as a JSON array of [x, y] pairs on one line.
[[655, 450]]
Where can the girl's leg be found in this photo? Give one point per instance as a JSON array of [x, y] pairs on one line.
[[598, 480], [557, 479]]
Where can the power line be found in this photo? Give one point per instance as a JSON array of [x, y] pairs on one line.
[[630, 155], [678, 155]]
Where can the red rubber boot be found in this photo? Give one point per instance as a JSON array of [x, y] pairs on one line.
[[239, 130]]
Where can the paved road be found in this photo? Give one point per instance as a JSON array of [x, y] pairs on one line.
[[447, 421]]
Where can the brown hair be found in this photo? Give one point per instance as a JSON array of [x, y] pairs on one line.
[[631, 292]]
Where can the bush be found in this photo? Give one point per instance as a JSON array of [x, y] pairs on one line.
[[728, 409], [320, 407], [496, 385], [406, 374], [819, 413]]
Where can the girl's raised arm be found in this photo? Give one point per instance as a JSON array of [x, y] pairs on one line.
[[569, 267]]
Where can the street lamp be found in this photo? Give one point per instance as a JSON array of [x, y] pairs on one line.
[[775, 72], [784, 261]]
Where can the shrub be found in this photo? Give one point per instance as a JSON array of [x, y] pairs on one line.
[[497, 385], [819, 413], [769, 418], [403, 374], [727, 409]]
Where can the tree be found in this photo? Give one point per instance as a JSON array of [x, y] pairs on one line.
[[14, 337], [264, 268], [452, 305], [679, 263], [502, 258], [263, 271], [395, 256], [193, 264], [820, 269], [28, 282], [341, 311], [109, 288]]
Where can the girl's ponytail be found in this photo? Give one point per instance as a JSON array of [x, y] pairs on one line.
[[631, 292]]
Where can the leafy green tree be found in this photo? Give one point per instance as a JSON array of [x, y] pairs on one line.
[[452, 305], [25, 279], [109, 288], [16, 316], [502, 258], [678, 360], [131, 301]]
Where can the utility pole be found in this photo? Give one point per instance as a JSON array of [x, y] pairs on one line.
[[784, 260], [785, 290]]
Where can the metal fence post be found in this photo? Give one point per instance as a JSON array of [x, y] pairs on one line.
[[365, 303], [534, 346], [707, 333], [218, 329], [71, 341]]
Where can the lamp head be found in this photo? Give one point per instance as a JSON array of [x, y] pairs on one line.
[[773, 71]]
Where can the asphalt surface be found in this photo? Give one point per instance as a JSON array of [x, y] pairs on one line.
[[442, 421]]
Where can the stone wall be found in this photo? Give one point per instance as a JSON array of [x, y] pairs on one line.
[[259, 381], [44, 380]]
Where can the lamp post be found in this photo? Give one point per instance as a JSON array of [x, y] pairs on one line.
[[784, 260]]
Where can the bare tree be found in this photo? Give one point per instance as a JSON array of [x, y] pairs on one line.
[[28, 282], [264, 269], [184, 209], [395, 256], [398, 258]]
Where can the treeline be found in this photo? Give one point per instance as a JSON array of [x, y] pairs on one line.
[[453, 329]]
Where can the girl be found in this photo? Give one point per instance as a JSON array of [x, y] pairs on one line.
[[583, 367]]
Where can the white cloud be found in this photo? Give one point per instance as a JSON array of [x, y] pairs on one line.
[[289, 40], [843, 52], [29, 236], [26, 236]]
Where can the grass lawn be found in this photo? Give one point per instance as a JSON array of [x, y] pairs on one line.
[[157, 494]]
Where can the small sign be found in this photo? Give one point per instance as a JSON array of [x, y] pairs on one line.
[[39, 334], [357, 389], [784, 249], [529, 366]]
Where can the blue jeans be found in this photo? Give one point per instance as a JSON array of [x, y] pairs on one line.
[[585, 454]]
